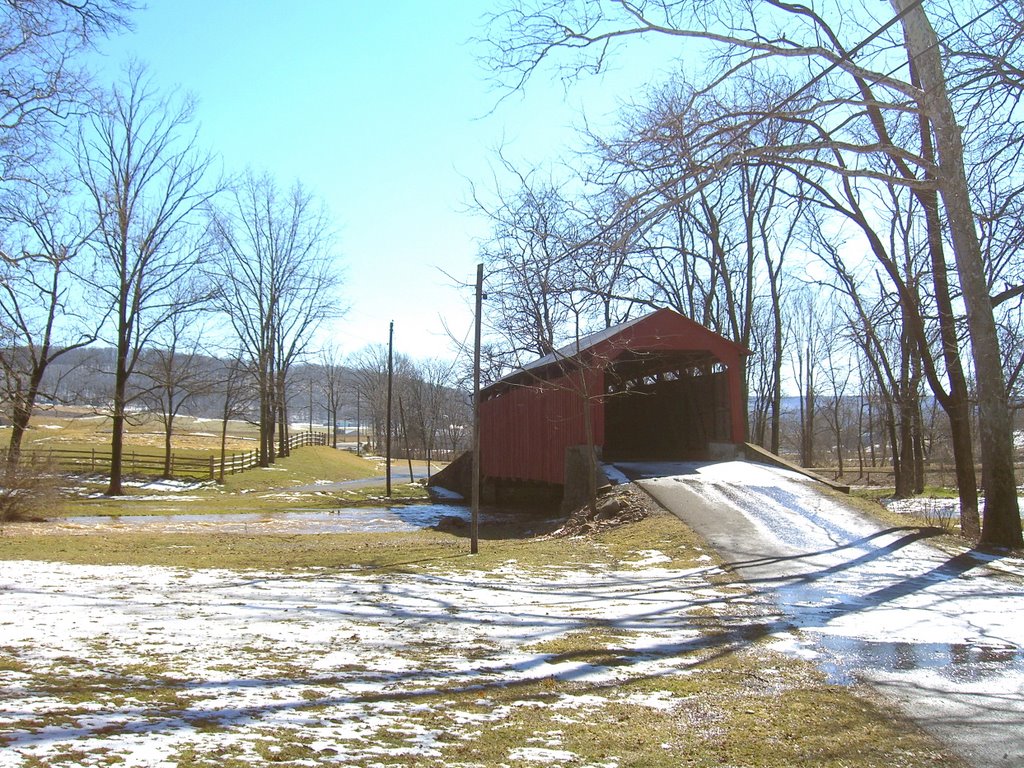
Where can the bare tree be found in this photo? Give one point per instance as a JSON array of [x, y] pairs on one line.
[[854, 98], [237, 402], [454, 430], [278, 276], [333, 386], [370, 374], [147, 180], [176, 374], [807, 338], [530, 261], [901, 248], [838, 370], [43, 315], [428, 404], [882, 327], [42, 83]]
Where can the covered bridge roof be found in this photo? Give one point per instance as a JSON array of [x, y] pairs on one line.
[[662, 331]]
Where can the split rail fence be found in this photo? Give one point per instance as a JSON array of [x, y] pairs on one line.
[[941, 474], [134, 462]]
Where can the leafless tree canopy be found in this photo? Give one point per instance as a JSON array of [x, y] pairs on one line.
[[805, 129], [42, 81], [278, 277], [109, 235], [148, 182]]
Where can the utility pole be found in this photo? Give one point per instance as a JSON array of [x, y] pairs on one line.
[[391, 375], [474, 527], [359, 436]]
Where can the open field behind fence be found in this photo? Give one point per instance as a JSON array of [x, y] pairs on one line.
[[940, 474], [136, 461]]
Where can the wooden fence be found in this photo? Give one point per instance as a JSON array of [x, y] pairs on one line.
[[134, 462], [439, 455], [936, 473]]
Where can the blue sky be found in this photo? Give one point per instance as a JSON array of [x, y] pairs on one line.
[[385, 113]]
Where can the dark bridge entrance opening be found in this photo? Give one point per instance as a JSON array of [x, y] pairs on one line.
[[665, 406]]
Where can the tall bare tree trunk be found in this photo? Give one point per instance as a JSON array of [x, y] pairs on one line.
[[955, 403], [223, 442], [266, 425], [114, 488], [1002, 524], [21, 413], [777, 353], [167, 446], [905, 448], [807, 408]]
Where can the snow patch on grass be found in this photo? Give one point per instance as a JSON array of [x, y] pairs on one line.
[[136, 498], [542, 755], [650, 557], [142, 663], [168, 485], [445, 494], [934, 511]]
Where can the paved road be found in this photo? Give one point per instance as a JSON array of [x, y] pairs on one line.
[[941, 634]]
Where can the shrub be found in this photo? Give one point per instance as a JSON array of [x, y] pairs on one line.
[[26, 491]]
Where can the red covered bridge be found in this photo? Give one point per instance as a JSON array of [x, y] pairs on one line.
[[657, 387]]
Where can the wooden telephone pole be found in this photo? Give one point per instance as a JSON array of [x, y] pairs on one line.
[[391, 375], [474, 526]]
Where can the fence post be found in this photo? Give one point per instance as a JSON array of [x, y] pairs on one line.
[[213, 470]]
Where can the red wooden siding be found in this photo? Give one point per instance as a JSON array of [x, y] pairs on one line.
[[529, 427], [529, 418]]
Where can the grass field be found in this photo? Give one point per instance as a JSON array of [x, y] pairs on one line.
[[82, 428], [255, 490], [626, 648]]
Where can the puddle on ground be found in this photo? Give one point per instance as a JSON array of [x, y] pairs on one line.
[[345, 520], [813, 605], [959, 660]]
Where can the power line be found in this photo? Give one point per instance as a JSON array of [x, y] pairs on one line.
[[884, 28], [849, 55]]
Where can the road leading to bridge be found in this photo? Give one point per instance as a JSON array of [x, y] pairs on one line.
[[940, 633]]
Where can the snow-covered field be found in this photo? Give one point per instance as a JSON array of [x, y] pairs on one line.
[[147, 666], [151, 664], [935, 511]]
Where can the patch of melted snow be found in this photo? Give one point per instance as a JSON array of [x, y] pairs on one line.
[[333, 658], [542, 755]]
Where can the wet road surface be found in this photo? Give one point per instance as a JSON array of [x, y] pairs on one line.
[[941, 634]]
